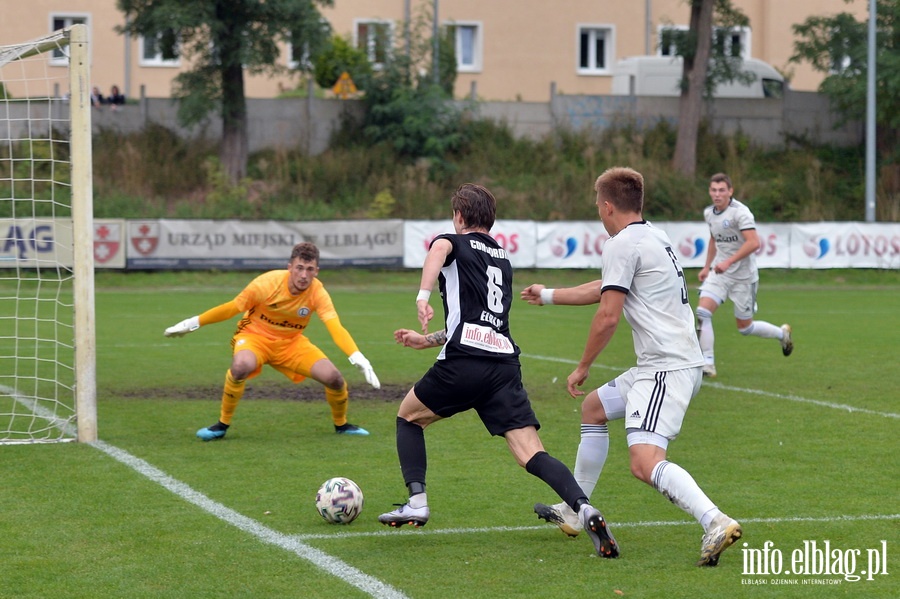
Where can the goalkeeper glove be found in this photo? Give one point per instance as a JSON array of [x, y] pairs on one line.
[[357, 359], [184, 327]]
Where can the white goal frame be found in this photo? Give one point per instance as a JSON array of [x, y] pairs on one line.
[[75, 391]]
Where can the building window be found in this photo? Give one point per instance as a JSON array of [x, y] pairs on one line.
[[60, 56], [726, 41], [595, 49], [159, 51], [670, 39], [298, 57], [298, 46], [375, 39], [467, 45], [733, 42]]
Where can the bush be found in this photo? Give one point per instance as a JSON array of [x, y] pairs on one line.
[[154, 174]]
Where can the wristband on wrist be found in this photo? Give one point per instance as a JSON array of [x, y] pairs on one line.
[[424, 294], [547, 296]]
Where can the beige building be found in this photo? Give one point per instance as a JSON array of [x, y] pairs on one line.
[[506, 49]]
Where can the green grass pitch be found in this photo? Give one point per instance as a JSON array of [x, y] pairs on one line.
[[800, 449]]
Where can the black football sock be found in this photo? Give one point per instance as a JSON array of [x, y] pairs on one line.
[[554, 473], [411, 451]]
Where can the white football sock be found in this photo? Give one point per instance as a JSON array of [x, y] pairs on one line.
[[708, 517], [761, 328], [591, 456], [679, 487], [707, 336]]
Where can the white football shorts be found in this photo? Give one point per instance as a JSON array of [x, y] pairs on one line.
[[741, 293], [657, 401]]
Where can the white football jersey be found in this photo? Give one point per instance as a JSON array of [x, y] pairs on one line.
[[640, 262], [726, 230]]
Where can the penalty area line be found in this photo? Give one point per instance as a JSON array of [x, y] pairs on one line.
[[615, 525], [796, 398]]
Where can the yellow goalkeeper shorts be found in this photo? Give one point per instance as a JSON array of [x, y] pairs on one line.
[[291, 357]]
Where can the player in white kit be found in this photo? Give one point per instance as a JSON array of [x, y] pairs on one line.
[[643, 279], [730, 272]]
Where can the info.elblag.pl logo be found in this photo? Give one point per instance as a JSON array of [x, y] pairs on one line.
[[813, 563]]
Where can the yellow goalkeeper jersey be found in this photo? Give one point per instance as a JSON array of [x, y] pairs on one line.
[[271, 311]]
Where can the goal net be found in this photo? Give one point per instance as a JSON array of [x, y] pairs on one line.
[[47, 344]]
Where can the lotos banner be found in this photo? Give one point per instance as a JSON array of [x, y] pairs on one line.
[[845, 245]]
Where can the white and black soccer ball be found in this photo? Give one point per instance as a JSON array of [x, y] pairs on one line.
[[339, 500]]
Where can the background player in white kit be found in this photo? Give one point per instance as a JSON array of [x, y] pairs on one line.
[[730, 272], [642, 278]]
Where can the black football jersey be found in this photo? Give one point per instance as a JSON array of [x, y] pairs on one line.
[[476, 289]]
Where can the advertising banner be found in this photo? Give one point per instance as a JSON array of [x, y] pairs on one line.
[[517, 237], [845, 245], [570, 244], [690, 240], [109, 243], [260, 245], [35, 242], [48, 242]]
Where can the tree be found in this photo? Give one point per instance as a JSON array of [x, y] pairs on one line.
[[221, 39], [406, 108], [705, 66], [837, 46], [340, 56]]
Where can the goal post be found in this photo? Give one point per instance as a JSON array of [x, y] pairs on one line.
[[48, 387]]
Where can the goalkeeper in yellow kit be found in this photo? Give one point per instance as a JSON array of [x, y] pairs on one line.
[[277, 306]]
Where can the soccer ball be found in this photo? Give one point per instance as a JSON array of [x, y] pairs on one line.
[[339, 500]]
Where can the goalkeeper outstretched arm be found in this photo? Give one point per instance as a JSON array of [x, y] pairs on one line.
[[345, 342], [217, 314]]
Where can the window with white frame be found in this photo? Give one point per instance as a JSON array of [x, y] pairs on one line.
[[60, 56], [595, 49], [731, 41], [298, 56], [467, 44], [726, 41], [153, 52], [374, 37], [298, 47], [670, 37]]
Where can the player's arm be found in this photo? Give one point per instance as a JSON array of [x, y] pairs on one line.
[[710, 256], [415, 340], [341, 337], [750, 245], [582, 295], [603, 326], [434, 261], [213, 315]]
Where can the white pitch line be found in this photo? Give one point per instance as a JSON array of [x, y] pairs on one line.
[[797, 398], [330, 564], [616, 525]]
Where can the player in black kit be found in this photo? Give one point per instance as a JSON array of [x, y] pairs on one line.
[[478, 365]]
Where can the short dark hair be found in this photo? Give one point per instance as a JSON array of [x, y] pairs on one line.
[[622, 187], [721, 178], [306, 251], [476, 204]]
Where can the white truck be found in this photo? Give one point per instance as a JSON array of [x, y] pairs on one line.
[[661, 76]]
